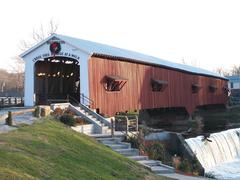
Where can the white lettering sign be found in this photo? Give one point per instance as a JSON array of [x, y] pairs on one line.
[[61, 54]]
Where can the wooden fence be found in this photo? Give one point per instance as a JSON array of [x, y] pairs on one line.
[[11, 101]]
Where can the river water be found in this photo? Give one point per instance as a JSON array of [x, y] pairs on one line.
[[221, 157]]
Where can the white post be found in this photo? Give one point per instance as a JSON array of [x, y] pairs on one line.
[[29, 84], [84, 82]]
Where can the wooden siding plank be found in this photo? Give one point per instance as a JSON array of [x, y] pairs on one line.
[[137, 92]]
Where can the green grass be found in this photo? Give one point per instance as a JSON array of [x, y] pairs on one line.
[[51, 150]]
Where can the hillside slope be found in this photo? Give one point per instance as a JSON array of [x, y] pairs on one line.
[[49, 149]]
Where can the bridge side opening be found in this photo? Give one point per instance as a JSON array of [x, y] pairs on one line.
[[172, 118]]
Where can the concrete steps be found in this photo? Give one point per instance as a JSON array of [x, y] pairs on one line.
[[123, 148], [106, 129], [138, 158], [149, 162], [128, 152], [119, 146], [161, 170], [156, 166], [110, 140]]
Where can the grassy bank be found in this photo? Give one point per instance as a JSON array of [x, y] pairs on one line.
[[49, 149]]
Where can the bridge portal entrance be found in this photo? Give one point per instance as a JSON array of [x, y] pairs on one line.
[[56, 80]]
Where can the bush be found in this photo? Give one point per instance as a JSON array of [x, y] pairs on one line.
[[156, 151], [58, 112], [69, 112], [195, 164], [145, 130], [134, 141], [185, 166], [81, 121], [68, 120]]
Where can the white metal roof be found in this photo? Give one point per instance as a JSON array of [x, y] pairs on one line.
[[98, 48]]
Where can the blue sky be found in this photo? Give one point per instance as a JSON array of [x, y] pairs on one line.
[[205, 33]]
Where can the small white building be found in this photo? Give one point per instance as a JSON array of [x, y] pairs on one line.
[[234, 82]]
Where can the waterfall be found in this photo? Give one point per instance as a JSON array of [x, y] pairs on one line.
[[223, 150]]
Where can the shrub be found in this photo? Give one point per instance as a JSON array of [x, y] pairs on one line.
[[68, 120], [195, 164], [156, 151], [58, 112], [176, 160], [81, 121], [145, 130], [69, 112], [185, 166], [134, 141]]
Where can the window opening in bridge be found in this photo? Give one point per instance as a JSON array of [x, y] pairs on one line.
[[195, 88], [158, 85], [212, 88], [114, 83]]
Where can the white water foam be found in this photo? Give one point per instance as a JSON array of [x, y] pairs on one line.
[[221, 157]]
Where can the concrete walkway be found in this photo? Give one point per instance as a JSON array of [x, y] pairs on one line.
[[183, 177]]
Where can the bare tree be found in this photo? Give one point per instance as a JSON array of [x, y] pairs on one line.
[[222, 72], [184, 61], [18, 71], [39, 34], [3, 80], [235, 70], [8, 86]]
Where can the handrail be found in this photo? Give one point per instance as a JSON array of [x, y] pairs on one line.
[[70, 98], [83, 99], [91, 112], [96, 115], [126, 132], [127, 119], [86, 99]]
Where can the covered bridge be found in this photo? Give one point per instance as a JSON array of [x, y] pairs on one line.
[[114, 80]]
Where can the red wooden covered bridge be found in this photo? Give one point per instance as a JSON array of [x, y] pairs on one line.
[[115, 80]]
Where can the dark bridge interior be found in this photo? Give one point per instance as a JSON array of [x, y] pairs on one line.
[[56, 79]]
